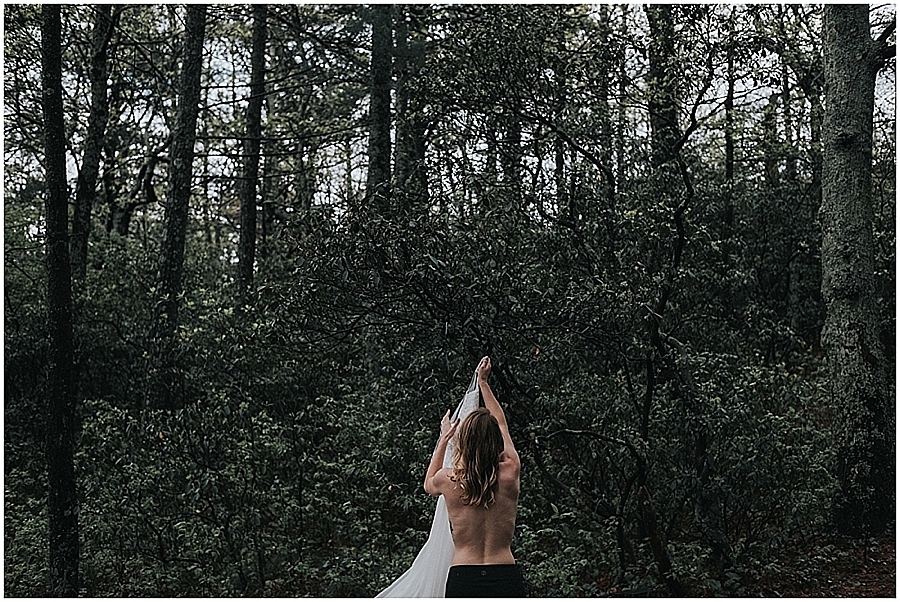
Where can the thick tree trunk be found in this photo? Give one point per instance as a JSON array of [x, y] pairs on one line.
[[250, 181], [409, 164], [165, 317], [861, 389], [86, 187], [379, 175], [62, 381]]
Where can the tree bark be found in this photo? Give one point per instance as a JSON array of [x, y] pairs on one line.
[[662, 83], [861, 389], [62, 381], [771, 143], [605, 66], [657, 545], [622, 78], [165, 317], [409, 164], [250, 181], [729, 120], [86, 187], [379, 175], [560, 101]]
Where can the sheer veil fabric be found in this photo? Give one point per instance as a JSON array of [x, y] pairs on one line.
[[427, 577]]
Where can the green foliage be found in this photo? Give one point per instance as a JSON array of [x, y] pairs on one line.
[[25, 537]]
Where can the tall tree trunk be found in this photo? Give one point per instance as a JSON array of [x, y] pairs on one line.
[[268, 185], [604, 115], [729, 140], [729, 118], [662, 83], [379, 175], [165, 317], [62, 381], [86, 187], [862, 391], [250, 180], [409, 163], [622, 78], [771, 142], [605, 67], [560, 101], [790, 167]]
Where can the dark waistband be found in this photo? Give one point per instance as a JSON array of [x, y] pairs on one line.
[[483, 569]]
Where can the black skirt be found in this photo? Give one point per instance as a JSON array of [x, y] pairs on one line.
[[485, 581]]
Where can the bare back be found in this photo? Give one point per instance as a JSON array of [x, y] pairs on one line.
[[484, 535], [480, 535]]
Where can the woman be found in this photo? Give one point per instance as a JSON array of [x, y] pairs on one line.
[[482, 491]]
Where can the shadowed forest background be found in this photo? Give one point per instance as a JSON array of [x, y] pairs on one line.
[[253, 253]]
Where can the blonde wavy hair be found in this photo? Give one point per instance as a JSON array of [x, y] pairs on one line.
[[476, 459]]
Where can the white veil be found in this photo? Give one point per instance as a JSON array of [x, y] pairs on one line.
[[427, 577]]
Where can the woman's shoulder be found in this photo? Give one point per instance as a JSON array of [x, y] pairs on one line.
[[510, 458], [509, 464]]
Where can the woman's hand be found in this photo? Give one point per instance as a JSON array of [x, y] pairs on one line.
[[448, 429], [435, 479], [484, 369]]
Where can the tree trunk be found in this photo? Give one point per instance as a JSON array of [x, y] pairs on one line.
[[409, 165], [649, 522], [605, 65], [379, 176], [662, 83], [165, 317], [862, 392], [268, 185], [729, 121], [249, 183], [560, 101], [622, 78], [62, 381], [86, 187], [790, 167], [771, 143]]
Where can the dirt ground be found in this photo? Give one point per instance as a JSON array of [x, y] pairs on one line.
[[857, 569]]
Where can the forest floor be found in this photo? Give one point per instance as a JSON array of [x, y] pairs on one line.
[[847, 568]]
